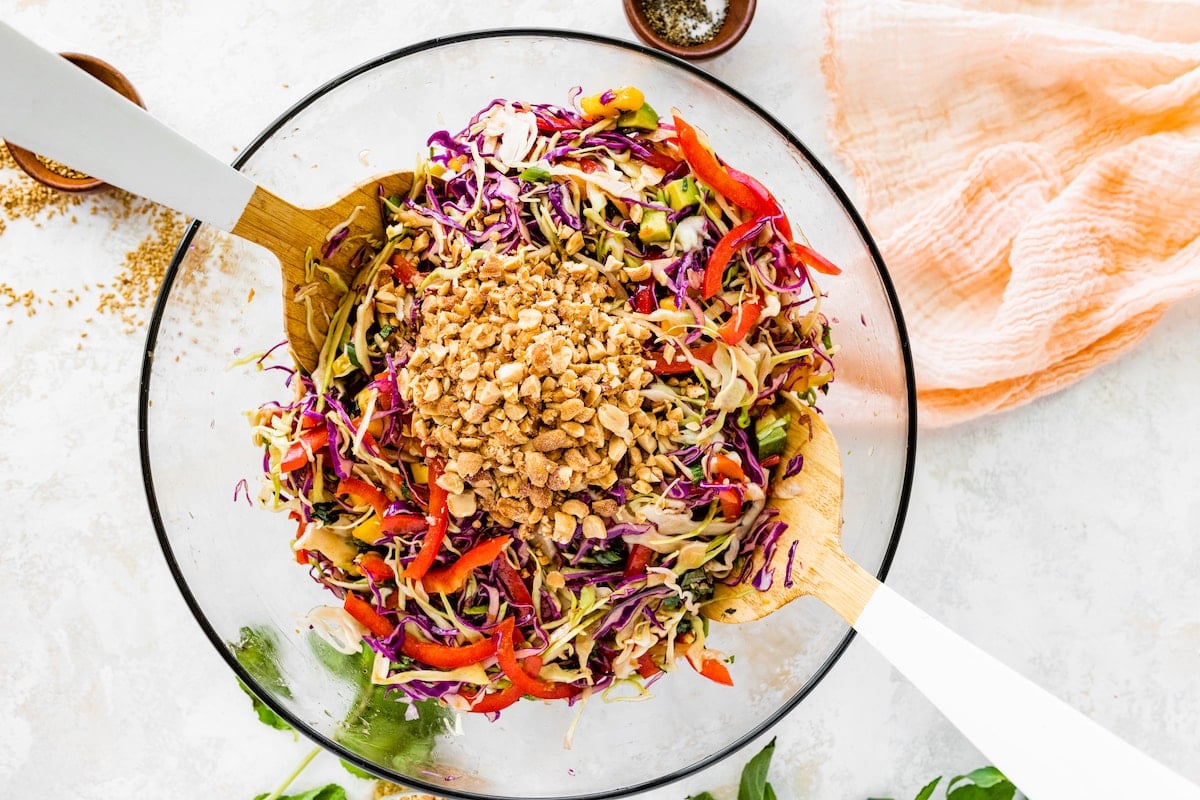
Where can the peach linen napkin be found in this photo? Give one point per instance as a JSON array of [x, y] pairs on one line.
[[1031, 171]]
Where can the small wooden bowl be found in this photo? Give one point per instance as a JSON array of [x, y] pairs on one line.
[[737, 21], [108, 75]]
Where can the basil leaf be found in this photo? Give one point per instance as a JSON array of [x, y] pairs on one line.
[[753, 785], [328, 792], [985, 783], [265, 715], [702, 796], [355, 771], [984, 777], [927, 792]]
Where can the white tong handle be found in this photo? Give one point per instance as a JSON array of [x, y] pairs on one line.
[[57, 110], [1047, 749]]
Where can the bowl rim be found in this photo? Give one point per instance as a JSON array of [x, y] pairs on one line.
[[222, 648]]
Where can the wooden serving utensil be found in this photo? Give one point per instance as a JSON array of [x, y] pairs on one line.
[[52, 108], [1046, 748]]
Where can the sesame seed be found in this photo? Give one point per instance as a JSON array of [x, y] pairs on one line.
[[140, 271]]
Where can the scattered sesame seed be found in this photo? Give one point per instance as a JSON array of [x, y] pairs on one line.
[[138, 276]]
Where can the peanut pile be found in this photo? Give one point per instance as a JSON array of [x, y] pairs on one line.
[[527, 380]]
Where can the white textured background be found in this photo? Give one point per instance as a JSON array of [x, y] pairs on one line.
[[1063, 537]]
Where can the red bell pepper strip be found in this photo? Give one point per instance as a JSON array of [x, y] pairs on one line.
[[681, 366], [639, 558], [814, 260], [644, 301], [731, 504], [454, 577], [713, 669], [722, 254], [444, 656], [363, 492], [660, 160], [769, 461], [375, 566], [403, 269], [301, 555], [726, 467], [311, 442], [439, 513], [506, 657], [518, 592], [741, 322], [646, 666], [366, 614], [707, 168], [765, 203], [496, 701]]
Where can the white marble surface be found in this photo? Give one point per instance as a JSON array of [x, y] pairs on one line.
[[1063, 537]]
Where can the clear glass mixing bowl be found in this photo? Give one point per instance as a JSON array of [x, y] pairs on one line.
[[221, 301]]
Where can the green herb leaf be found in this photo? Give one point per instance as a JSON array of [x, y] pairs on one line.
[[265, 715], [927, 792], [607, 558], [984, 777], [702, 796], [355, 771], [328, 792], [985, 783], [535, 174], [327, 512], [753, 785]]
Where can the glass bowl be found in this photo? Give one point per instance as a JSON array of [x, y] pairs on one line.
[[221, 301]]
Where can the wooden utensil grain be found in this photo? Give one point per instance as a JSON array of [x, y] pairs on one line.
[[289, 231]]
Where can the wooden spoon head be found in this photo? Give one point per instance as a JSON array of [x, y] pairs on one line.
[[288, 232], [810, 503]]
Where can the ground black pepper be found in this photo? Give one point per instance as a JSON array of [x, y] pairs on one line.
[[685, 23]]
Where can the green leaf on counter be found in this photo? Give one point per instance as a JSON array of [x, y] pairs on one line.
[[265, 715], [927, 792], [984, 778], [328, 792], [754, 784], [702, 796], [985, 783]]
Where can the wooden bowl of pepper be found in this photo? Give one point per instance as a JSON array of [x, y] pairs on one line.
[[691, 29]]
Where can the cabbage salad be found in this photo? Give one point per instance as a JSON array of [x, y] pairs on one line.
[[549, 406]]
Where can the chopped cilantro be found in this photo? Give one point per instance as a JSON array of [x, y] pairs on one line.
[[327, 512]]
